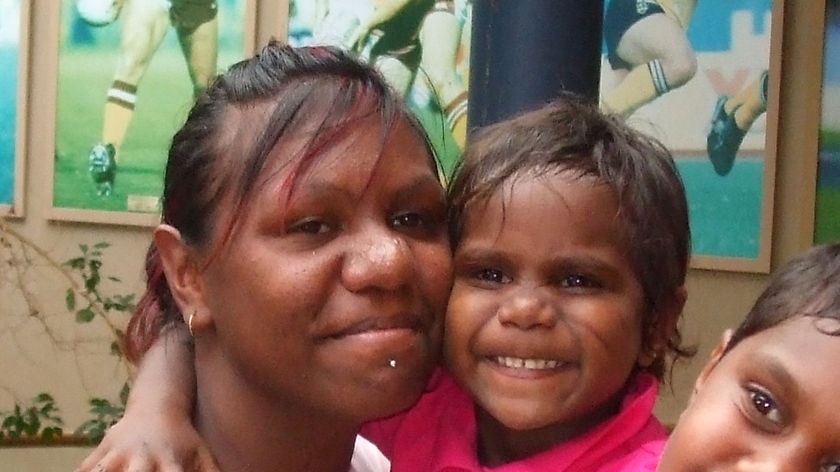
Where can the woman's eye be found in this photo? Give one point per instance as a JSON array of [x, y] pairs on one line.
[[409, 220], [764, 404], [309, 227], [492, 275]]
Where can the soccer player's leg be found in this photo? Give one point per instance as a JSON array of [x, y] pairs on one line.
[[399, 74], [659, 57], [199, 42], [681, 10], [144, 25], [731, 119]]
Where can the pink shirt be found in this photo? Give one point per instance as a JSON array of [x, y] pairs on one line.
[[439, 434]]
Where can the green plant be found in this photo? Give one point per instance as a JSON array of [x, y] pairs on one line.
[[105, 415], [87, 266], [85, 299], [41, 419]]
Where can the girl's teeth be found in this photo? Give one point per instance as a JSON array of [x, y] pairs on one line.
[[534, 364]]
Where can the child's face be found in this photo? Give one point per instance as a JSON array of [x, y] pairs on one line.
[[544, 320], [771, 403]]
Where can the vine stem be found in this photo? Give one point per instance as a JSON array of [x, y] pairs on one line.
[[68, 275]]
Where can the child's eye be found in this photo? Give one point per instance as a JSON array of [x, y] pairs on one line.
[[578, 281], [830, 467], [493, 276], [765, 405]]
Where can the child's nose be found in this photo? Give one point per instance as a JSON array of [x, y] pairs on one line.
[[377, 259], [528, 309]]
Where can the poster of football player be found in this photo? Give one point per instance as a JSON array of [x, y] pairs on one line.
[[701, 75], [127, 73], [420, 46], [14, 26]]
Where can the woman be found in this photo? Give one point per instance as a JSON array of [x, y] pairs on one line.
[[303, 242]]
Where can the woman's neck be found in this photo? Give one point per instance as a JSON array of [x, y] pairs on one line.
[[246, 431]]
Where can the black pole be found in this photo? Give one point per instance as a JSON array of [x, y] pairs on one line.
[[526, 51]]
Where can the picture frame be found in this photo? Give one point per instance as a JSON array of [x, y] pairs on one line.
[[144, 119], [737, 45], [422, 49], [14, 58], [827, 197]]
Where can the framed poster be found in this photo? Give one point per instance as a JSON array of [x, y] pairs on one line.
[[421, 47], [124, 86], [14, 50], [703, 77], [827, 214]]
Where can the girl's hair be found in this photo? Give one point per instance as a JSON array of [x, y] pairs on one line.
[[809, 285], [231, 135], [570, 135]]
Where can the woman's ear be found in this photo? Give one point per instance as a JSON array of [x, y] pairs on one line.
[[656, 337], [183, 274], [711, 363]]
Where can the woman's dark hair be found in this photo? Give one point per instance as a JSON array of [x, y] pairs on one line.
[[570, 135], [226, 143]]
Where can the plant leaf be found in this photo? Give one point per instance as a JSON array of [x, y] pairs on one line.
[[85, 315]]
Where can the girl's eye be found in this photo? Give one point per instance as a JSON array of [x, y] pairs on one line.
[[579, 281], [493, 276], [764, 404], [309, 227]]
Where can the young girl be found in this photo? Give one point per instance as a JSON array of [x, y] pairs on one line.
[[571, 248], [767, 398], [303, 242]]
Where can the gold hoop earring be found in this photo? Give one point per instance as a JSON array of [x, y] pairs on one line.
[[189, 324]]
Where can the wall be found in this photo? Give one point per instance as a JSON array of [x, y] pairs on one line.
[[77, 368]]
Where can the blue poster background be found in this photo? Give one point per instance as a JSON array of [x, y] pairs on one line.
[[9, 54]]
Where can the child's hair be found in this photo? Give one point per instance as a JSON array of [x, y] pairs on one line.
[[808, 285], [570, 135], [320, 93]]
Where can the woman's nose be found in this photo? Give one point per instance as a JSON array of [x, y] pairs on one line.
[[528, 309], [377, 259]]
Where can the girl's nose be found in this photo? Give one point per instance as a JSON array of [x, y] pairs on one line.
[[528, 309], [377, 259]]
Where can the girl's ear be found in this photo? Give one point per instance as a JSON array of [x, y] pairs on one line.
[[183, 274], [714, 359], [656, 337]]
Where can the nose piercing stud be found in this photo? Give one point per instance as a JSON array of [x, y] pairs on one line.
[[392, 362]]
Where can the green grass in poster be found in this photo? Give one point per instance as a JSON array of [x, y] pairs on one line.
[[827, 215], [164, 96], [827, 211], [158, 113]]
